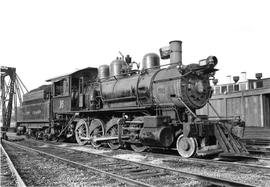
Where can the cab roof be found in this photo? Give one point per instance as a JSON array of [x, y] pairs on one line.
[[85, 70]]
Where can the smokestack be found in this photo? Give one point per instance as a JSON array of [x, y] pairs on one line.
[[258, 75], [229, 78], [235, 79], [244, 76], [176, 53], [259, 82], [215, 81]]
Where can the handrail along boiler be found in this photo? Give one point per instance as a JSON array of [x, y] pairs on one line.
[[152, 107]]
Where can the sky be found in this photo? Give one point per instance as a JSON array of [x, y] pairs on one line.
[[44, 39]]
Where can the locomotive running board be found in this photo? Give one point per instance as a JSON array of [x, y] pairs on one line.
[[228, 142]]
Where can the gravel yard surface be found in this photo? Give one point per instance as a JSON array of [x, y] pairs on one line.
[[37, 170], [254, 177], [157, 177], [7, 178]]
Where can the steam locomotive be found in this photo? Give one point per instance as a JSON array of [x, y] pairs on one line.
[[119, 105]]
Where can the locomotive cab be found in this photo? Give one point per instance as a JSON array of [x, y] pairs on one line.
[[68, 91]]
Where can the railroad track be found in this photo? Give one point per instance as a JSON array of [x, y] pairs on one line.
[[219, 162], [130, 172], [9, 174], [227, 164], [39, 169]]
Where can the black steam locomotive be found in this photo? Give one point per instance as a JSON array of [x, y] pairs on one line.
[[119, 105]]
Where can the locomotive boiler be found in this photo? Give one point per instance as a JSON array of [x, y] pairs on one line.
[[158, 86], [155, 106]]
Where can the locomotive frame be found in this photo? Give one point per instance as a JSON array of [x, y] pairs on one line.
[[152, 107]]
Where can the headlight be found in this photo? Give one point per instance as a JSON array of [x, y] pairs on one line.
[[211, 61]]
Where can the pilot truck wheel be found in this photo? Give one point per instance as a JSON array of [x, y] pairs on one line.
[[186, 147]]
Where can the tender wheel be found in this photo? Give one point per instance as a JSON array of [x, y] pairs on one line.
[[81, 132], [28, 133], [186, 147], [112, 130], [46, 135], [139, 147], [96, 129]]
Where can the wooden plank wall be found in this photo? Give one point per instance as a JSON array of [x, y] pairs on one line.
[[252, 106], [266, 110], [252, 110]]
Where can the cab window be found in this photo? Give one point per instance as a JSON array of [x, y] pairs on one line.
[[61, 88]]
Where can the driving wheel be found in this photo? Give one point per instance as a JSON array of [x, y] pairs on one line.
[[96, 129], [81, 132], [113, 131]]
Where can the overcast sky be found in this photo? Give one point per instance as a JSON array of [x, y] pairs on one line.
[[44, 39]]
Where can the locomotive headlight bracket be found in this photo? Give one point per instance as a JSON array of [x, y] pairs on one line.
[[165, 52], [203, 62]]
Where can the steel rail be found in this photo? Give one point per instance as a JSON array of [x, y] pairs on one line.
[[19, 180], [226, 163], [212, 180], [120, 178], [260, 158]]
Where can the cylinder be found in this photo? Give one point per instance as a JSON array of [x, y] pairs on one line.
[[176, 53], [150, 60], [157, 137], [103, 72]]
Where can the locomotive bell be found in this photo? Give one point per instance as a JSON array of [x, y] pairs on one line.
[[150, 60]]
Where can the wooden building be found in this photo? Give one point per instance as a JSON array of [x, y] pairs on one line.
[[249, 99]]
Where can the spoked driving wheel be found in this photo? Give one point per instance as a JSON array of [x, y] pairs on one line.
[[112, 130], [81, 132], [186, 147], [138, 147], [96, 129]]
